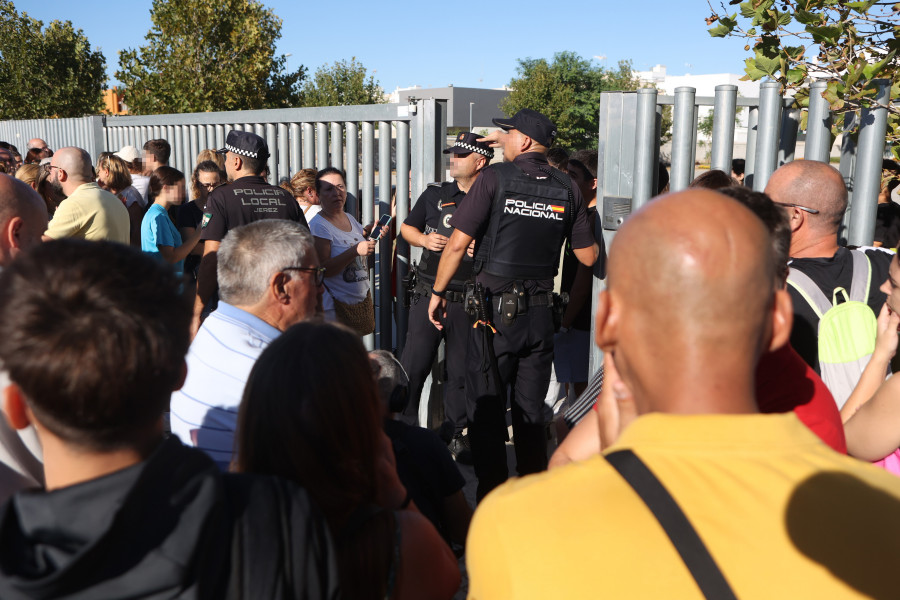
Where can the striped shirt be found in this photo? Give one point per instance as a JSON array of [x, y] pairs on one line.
[[204, 411]]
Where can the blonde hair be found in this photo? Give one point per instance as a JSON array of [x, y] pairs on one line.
[[212, 155], [29, 173], [302, 181], [119, 174]]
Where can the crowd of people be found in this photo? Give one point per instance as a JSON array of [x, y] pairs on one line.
[[190, 410]]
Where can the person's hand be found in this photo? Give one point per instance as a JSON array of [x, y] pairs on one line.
[[494, 138], [471, 249], [437, 310], [389, 491], [365, 247], [434, 241], [887, 337], [615, 405]]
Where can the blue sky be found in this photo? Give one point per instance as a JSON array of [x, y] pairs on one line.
[[433, 44]]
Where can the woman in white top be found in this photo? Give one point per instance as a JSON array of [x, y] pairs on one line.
[[303, 188], [341, 245], [113, 176]]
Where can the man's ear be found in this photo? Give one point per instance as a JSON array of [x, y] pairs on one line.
[[782, 320], [607, 322], [594, 185], [15, 407], [796, 218], [278, 287], [13, 233], [526, 144], [8, 233]]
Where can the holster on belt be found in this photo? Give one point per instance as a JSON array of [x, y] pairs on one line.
[[409, 285]]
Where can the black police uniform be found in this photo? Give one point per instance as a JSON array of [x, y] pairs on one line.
[[244, 201], [520, 214], [432, 213]]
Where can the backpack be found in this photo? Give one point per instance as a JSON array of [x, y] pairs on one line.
[[847, 329]]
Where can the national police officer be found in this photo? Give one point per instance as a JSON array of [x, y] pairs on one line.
[[246, 199], [520, 212], [428, 226]]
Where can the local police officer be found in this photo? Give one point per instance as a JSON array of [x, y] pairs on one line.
[[520, 212], [428, 226], [246, 199]]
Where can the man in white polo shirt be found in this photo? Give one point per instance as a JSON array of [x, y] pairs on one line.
[[269, 279]]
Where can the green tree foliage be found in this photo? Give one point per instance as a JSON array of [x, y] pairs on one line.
[[342, 84], [46, 72], [209, 56], [849, 43], [567, 90]]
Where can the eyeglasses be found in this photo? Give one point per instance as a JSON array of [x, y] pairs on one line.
[[209, 186], [319, 271], [811, 211]]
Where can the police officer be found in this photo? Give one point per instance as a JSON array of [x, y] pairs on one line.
[[246, 199], [520, 212], [428, 226]]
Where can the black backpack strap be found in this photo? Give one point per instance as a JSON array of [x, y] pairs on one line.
[[684, 537]]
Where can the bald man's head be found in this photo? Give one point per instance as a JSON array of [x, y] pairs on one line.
[[74, 161], [23, 218], [815, 185], [37, 143], [690, 285]]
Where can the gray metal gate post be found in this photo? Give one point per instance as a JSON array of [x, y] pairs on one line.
[[818, 124], [646, 148], [682, 139], [873, 125], [767, 140], [724, 111]]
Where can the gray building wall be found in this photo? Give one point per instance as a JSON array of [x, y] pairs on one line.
[[486, 103]]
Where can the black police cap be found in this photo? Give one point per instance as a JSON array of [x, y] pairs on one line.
[[533, 124], [245, 143], [465, 143]]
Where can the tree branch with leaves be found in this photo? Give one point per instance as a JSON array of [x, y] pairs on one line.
[[850, 44], [203, 56]]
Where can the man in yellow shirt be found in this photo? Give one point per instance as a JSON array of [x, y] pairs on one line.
[[683, 322], [88, 212]]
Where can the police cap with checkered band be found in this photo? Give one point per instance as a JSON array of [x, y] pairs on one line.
[[465, 143], [244, 143]]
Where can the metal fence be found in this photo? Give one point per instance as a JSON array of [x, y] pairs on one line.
[[629, 149], [410, 137]]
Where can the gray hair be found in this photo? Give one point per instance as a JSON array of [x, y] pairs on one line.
[[251, 254], [389, 374]]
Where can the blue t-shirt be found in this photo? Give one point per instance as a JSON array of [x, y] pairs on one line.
[[158, 230]]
